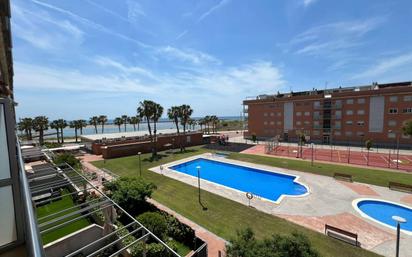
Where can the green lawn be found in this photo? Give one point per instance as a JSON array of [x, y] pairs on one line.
[[223, 217], [64, 203], [369, 176]]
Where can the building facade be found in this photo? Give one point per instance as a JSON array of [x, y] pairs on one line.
[[347, 116]]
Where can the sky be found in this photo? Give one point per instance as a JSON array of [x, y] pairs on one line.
[[78, 58]]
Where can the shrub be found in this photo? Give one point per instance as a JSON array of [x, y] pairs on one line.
[[246, 245], [254, 138], [368, 144], [179, 231], [67, 158], [130, 192], [152, 250], [154, 222]]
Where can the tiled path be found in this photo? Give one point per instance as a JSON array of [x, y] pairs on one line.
[[214, 243], [360, 189]]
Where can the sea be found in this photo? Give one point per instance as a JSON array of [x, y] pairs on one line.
[[111, 128]]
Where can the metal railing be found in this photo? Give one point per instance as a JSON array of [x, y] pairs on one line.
[[34, 244]]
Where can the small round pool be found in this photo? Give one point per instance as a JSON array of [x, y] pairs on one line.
[[382, 211]]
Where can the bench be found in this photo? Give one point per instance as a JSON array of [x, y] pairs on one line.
[[343, 176], [400, 187], [343, 235], [224, 154]]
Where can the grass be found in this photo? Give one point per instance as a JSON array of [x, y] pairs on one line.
[[223, 217], [182, 249], [64, 203], [363, 175]]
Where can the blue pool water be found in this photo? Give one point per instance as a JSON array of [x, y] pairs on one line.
[[265, 184], [383, 212]]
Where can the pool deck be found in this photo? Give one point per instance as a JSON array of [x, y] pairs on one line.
[[329, 201]]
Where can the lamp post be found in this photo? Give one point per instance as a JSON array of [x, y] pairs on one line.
[[398, 220], [312, 145], [140, 163], [198, 186]]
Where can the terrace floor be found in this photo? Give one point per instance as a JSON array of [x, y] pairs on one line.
[[329, 201]]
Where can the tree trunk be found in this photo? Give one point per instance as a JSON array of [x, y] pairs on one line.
[[150, 134], [30, 135], [155, 139], [125, 127], [138, 126], [95, 128], [41, 137], [178, 134], [184, 136], [62, 136], [75, 133], [102, 128], [119, 127], [134, 127], [58, 137]]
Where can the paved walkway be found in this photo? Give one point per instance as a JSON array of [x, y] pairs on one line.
[[214, 242], [329, 201], [101, 175]]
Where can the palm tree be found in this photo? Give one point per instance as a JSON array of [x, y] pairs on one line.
[[94, 121], [62, 124], [125, 120], [173, 113], [40, 124], [54, 125], [76, 125], [185, 113], [118, 121], [83, 124], [150, 111], [102, 120], [201, 123], [214, 120], [26, 124], [134, 120]]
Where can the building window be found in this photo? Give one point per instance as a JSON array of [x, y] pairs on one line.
[[393, 110], [316, 123], [349, 112], [407, 98], [338, 103], [298, 123], [316, 104], [265, 114], [407, 110], [298, 114], [279, 114], [279, 122], [338, 114], [348, 133], [360, 112], [306, 122], [392, 123], [272, 114], [406, 136], [316, 133], [307, 113], [391, 135], [349, 101], [360, 134], [360, 123], [265, 123], [348, 122], [393, 99], [337, 133], [337, 124], [361, 100], [272, 123]]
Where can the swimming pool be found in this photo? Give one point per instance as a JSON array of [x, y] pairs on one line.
[[382, 211], [270, 185]]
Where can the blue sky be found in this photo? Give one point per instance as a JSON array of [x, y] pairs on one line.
[[78, 58]]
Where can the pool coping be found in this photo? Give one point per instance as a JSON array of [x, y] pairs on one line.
[[364, 215], [212, 157]]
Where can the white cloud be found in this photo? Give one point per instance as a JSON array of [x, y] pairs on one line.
[[181, 34], [308, 2], [42, 31], [135, 11], [387, 66], [329, 39], [213, 9], [187, 55]]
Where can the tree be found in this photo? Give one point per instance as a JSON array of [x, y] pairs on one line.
[[118, 122], [54, 125], [94, 121], [130, 192], [185, 113], [134, 120], [206, 120], [76, 125], [368, 145], [214, 120], [40, 124], [83, 124], [407, 128], [246, 245], [155, 222], [62, 124], [26, 125], [102, 121], [173, 113], [151, 111], [125, 120]]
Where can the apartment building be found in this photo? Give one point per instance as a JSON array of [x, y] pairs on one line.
[[348, 115]]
